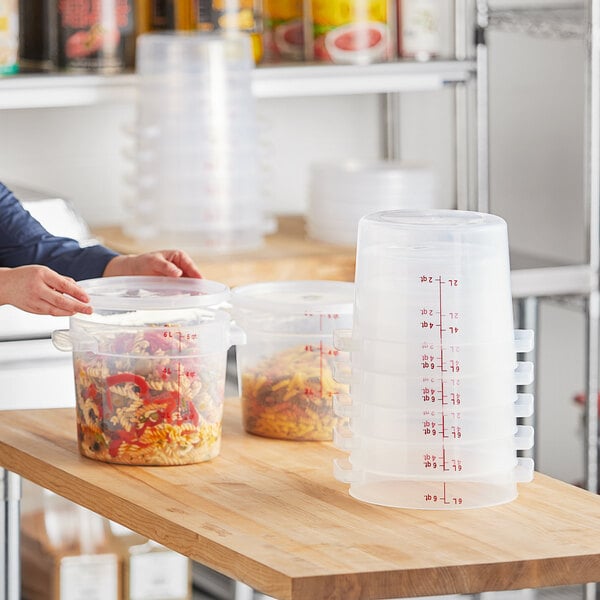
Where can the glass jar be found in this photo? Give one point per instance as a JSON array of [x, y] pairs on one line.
[[349, 31], [9, 36], [239, 15], [97, 36]]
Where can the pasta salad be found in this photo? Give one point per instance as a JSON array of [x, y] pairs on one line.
[[147, 398]]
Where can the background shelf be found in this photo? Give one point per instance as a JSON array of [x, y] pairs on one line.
[[49, 90], [557, 22]]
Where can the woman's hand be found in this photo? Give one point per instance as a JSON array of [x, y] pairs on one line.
[[168, 263], [42, 291]]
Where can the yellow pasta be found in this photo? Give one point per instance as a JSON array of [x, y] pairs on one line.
[[290, 395]]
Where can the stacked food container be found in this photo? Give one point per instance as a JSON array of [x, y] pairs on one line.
[[343, 192], [433, 372], [196, 160]]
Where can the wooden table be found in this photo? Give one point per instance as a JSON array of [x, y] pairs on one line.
[[270, 514], [286, 254]]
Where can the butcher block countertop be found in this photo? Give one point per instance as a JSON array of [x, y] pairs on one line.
[[286, 254], [270, 514]]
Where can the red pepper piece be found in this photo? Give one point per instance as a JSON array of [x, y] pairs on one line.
[[138, 380], [123, 436]]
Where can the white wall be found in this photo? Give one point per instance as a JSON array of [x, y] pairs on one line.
[[80, 152]]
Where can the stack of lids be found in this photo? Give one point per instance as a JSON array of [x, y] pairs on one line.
[[344, 191]]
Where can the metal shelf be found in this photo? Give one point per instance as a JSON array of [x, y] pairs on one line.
[[61, 90], [47, 90], [556, 22], [328, 80], [553, 281]]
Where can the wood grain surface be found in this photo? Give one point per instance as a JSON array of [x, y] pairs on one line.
[[287, 254], [270, 513]]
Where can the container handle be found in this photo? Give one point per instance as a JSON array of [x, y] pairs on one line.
[[524, 373], [342, 438], [342, 340], [237, 336], [342, 405], [524, 340], [61, 338], [524, 405], [342, 470], [524, 470], [524, 437], [341, 371]]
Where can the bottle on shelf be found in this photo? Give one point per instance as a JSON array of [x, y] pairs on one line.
[[350, 32], [37, 35], [419, 29], [236, 15], [97, 36], [9, 36], [284, 31], [166, 15]]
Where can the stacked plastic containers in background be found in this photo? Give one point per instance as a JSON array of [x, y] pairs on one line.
[[433, 371], [197, 177], [343, 192]]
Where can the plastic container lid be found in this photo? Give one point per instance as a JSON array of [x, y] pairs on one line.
[[316, 297], [371, 169], [139, 293]]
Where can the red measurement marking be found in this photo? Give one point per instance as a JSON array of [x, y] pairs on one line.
[[455, 465], [430, 428], [179, 370], [321, 368], [430, 461], [445, 495], [455, 432]]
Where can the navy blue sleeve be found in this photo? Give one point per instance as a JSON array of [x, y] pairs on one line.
[[23, 241]]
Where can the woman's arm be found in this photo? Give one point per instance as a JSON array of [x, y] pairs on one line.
[[42, 291], [23, 241]]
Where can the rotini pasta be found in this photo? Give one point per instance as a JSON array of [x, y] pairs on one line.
[[290, 395], [139, 404]]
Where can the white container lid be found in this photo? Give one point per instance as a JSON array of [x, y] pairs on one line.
[[134, 293], [295, 297]]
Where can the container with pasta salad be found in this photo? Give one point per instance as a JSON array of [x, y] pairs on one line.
[[149, 368], [286, 367]]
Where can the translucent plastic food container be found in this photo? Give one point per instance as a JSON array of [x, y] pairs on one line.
[[149, 369], [285, 369]]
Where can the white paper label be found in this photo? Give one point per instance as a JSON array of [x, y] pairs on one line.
[[158, 575], [89, 577]]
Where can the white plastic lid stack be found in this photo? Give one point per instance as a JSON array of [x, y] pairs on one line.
[[341, 192], [197, 175]]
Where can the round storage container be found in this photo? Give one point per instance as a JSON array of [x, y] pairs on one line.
[[149, 367], [285, 369]]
